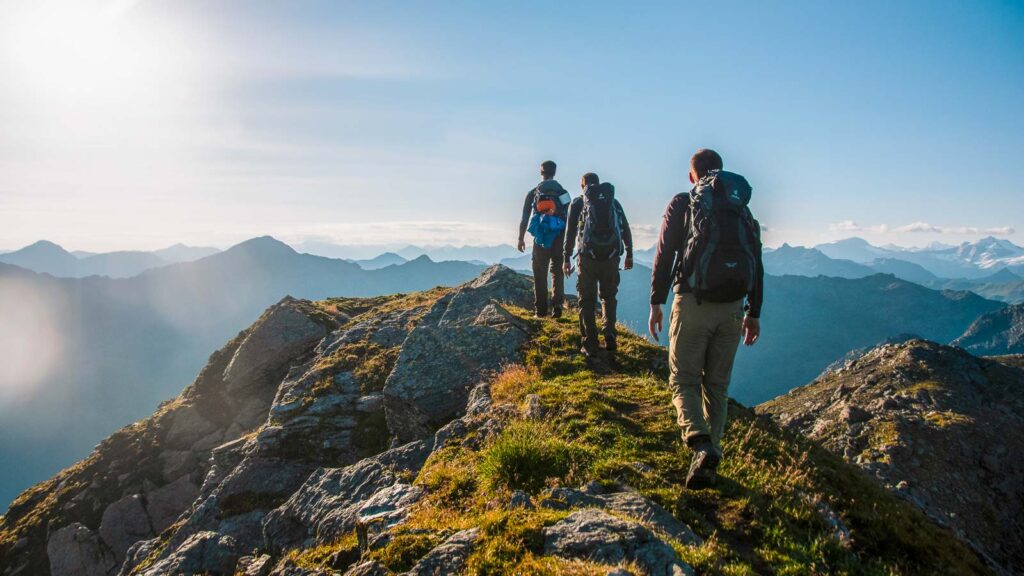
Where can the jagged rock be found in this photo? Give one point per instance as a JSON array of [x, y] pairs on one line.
[[203, 552], [124, 523], [177, 463], [600, 537], [449, 557], [255, 565], [463, 337], [629, 503], [136, 554], [854, 415], [166, 503], [74, 550], [330, 501], [533, 409], [370, 568], [520, 499], [187, 426], [283, 334]]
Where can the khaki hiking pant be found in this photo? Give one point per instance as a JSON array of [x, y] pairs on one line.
[[597, 278], [702, 346]]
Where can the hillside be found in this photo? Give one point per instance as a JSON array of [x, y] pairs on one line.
[[937, 426], [996, 333], [443, 432], [808, 323], [123, 345]]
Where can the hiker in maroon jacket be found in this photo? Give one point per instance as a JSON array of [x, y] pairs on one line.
[[710, 251]]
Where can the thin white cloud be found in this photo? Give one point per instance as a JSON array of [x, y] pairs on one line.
[[920, 228]]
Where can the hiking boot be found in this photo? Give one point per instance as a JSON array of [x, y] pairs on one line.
[[703, 469], [557, 312], [540, 314]]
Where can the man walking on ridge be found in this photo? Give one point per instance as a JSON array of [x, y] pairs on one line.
[[544, 212], [710, 250], [604, 237]]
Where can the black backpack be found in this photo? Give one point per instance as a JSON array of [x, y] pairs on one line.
[[718, 260], [600, 233]]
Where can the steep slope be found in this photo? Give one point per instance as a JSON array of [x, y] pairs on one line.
[[447, 432], [149, 334], [995, 333], [941, 428], [808, 323]]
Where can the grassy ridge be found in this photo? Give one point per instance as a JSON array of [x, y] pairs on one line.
[[783, 506]]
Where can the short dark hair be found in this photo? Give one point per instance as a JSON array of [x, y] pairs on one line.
[[548, 167], [590, 178], [704, 161]]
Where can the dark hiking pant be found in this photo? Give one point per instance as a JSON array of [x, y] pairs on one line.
[[545, 261], [597, 278]]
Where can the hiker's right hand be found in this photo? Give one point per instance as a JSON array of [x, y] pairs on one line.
[[654, 324], [521, 246], [567, 269]]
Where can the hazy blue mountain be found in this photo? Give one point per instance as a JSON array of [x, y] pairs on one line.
[[811, 262], [856, 249], [49, 258], [182, 253], [385, 259], [45, 257], [522, 262], [149, 335], [902, 269], [486, 254]]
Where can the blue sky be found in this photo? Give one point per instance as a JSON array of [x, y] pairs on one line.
[[136, 124]]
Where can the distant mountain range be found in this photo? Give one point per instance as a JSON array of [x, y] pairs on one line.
[[999, 278], [364, 253], [968, 260], [149, 335], [49, 258]]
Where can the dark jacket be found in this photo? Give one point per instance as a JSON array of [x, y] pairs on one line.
[[573, 228], [672, 241], [531, 198]]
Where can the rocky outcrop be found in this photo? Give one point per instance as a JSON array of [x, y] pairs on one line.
[[996, 333], [74, 550], [939, 427], [454, 346], [600, 537]]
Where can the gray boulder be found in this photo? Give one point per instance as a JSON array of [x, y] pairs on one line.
[[124, 523], [464, 336], [600, 537], [449, 557], [282, 334], [165, 504], [201, 553], [331, 500], [74, 550]]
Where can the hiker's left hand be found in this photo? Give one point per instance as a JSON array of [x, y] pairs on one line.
[[567, 269], [628, 264], [751, 330]]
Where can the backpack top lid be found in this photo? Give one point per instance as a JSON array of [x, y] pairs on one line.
[[595, 190], [550, 188], [736, 188]]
